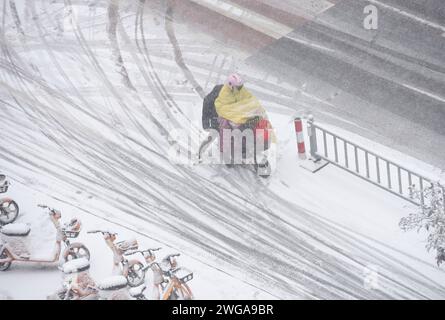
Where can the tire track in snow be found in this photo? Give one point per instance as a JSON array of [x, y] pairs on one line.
[[265, 248], [96, 64], [169, 27]]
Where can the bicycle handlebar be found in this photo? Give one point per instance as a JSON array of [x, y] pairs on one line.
[[44, 206], [102, 231], [130, 253], [172, 272], [142, 251], [168, 257], [151, 265]]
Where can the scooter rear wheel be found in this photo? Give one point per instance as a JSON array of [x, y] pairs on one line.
[[5, 265], [9, 211]]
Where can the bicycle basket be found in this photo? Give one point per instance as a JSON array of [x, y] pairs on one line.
[[71, 234], [184, 275], [72, 228], [4, 184]]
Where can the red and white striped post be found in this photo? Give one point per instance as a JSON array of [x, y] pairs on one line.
[[300, 138]]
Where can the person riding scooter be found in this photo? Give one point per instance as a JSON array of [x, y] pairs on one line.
[[231, 106], [238, 108]]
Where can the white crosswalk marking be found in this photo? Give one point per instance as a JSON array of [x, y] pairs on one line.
[[436, 97], [409, 15], [303, 8], [247, 17]]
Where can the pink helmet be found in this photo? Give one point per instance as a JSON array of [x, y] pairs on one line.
[[234, 80]]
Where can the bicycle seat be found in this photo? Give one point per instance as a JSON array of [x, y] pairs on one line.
[[76, 265], [16, 230], [113, 283]]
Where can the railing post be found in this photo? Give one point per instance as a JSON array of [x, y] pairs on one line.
[[301, 148], [443, 198], [312, 138], [422, 195]]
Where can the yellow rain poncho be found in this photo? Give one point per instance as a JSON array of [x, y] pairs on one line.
[[238, 106]]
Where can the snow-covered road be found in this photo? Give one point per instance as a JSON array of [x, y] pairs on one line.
[[86, 108]]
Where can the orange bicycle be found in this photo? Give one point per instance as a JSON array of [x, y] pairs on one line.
[[169, 281], [131, 269], [174, 286]]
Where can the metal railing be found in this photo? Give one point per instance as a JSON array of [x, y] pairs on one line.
[[366, 164]]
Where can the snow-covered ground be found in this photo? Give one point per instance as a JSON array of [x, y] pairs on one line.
[[89, 136], [22, 280]]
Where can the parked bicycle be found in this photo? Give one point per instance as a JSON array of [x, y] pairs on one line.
[[66, 232], [130, 269], [173, 284], [9, 210], [77, 282], [157, 278]]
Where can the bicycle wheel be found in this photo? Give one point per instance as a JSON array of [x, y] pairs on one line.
[[9, 210], [174, 295], [136, 274], [76, 251], [5, 265], [184, 292]]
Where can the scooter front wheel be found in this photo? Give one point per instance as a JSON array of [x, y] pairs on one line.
[[76, 251], [5, 265], [263, 169], [9, 210]]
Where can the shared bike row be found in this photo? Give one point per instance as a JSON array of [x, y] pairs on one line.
[[131, 265]]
